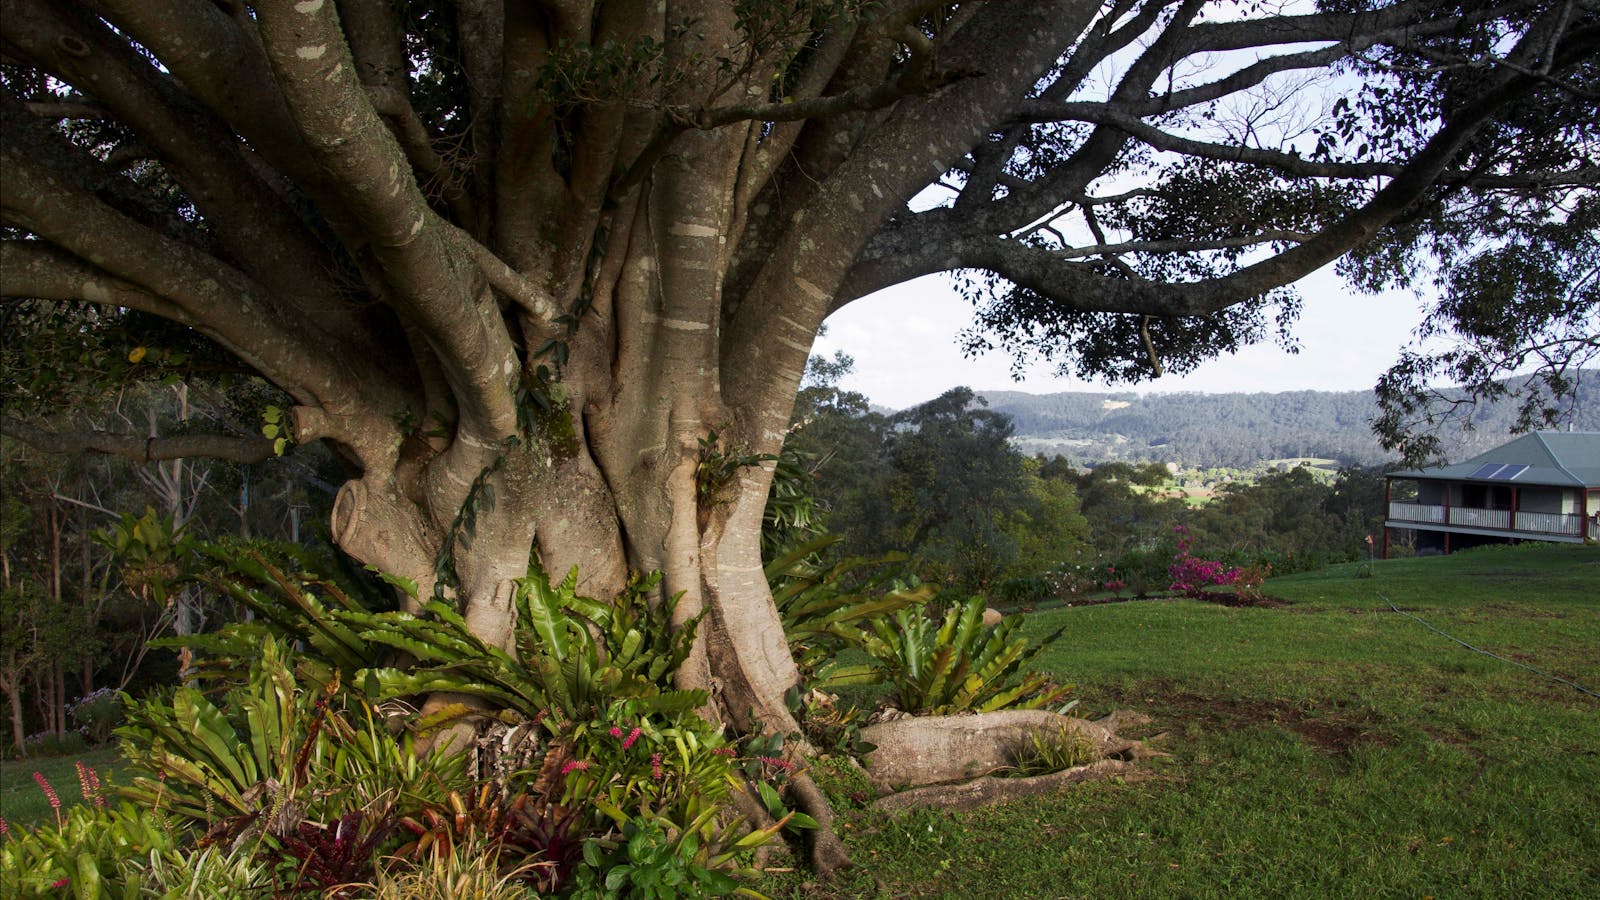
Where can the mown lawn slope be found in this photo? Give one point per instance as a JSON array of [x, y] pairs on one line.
[[1332, 747]]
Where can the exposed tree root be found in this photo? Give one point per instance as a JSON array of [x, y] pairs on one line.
[[917, 751], [828, 854], [990, 789], [950, 762]]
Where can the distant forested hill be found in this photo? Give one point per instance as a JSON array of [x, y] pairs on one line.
[[1235, 430]]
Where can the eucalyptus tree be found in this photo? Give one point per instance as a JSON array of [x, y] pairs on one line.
[[552, 269]]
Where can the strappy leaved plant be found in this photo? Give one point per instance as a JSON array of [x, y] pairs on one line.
[[823, 607], [273, 753], [321, 617], [562, 671], [957, 665]]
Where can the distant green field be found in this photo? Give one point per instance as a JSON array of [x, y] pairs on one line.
[[1316, 462], [22, 801], [1328, 748]]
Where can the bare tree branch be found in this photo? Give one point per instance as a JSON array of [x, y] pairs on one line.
[[219, 301], [533, 299], [37, 270], [1186, 246], [1101, 41], [139, 448], [918, 141], [1290, 163], [1100, 149], [221, 63], [377, 46], [856, 100], [1074, 286], [480, 32], [68, 109], [1333, 26], [774, 148]]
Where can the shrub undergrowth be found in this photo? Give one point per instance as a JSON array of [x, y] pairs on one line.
[[284, 770]]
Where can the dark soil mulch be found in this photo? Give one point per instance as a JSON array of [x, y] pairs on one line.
[[1224, 598], [1333, 730], [1228, 598]]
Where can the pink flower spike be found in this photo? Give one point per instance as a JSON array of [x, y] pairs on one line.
[[83, 780], [632, 737], [578, 765], [60, 883], [94, 785], [49, 792], [616, 731], [777, 763], [655, 766], [4, 828]]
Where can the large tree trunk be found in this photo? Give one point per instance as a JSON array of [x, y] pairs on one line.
[[637, 462]]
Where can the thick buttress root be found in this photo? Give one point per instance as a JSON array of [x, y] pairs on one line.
[[828, 854]]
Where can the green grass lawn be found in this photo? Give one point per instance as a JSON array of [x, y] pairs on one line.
[[23, 802], [1328, 748]]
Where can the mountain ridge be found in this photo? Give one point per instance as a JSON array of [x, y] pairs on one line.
[[1237, 429]]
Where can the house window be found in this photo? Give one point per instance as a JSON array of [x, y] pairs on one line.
[[1485, 496]]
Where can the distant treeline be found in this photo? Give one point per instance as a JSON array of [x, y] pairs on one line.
[[943, 484], [1237, 430]]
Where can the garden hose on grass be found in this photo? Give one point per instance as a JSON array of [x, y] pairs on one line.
[[1537, 671]]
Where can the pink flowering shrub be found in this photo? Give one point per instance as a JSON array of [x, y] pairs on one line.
[[1191, 575], [1112, 583]]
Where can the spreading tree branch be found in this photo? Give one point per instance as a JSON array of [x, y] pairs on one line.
[[259, 231], [221, 63], [37, 270], [1290, 163], [139, 448], [416, 250], [220, 301]]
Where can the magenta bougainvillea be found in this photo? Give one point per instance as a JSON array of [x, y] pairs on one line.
[[1191, 575]]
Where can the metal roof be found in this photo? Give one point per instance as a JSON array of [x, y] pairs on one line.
[[1564, 458]]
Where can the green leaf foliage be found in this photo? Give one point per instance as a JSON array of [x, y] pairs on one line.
[[824, 607], [86, 852], [320, 617], [272, 752], [957, 664], [574, 654]]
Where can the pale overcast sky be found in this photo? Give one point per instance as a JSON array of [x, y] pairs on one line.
[[904, 343]]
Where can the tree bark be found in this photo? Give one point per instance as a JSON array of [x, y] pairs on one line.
[[14, 699]]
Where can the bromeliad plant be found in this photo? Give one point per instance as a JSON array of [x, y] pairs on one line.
[[955, 665], [274, 755], [234, 763], [574, 655], [664, 782], [823, 607], [287, 764], [85, 854]]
